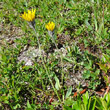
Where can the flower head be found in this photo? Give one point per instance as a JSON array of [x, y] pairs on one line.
[[50, 26], [29, 16]]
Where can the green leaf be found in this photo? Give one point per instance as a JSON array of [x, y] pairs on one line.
[[87, 24], [68, 92], [57, 85], [68, 101], [99, 105], [67, 59], [67, 108], [86, 74], [92, 104], [28, 105], [76, 105], [17, 106], [55, 103], [85, 99], [53, 64]]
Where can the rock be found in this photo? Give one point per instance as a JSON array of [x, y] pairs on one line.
[[29, 55]]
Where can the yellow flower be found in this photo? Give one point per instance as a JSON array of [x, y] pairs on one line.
[[50, 26], [30, 16]]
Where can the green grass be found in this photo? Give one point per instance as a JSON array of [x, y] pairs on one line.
[[87, 51]]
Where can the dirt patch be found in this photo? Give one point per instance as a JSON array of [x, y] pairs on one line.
[[9, 33]]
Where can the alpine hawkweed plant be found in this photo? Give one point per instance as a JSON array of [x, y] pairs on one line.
[[30, 17], [50, 27]]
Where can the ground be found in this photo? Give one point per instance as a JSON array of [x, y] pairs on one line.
[[76, 63]]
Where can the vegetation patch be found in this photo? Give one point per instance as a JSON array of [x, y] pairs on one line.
[[55, 55]]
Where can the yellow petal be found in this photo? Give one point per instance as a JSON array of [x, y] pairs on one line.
[[29, 16], [50, 26]]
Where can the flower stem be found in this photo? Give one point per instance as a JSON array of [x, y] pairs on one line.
[[45, 65], [61, 57]]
